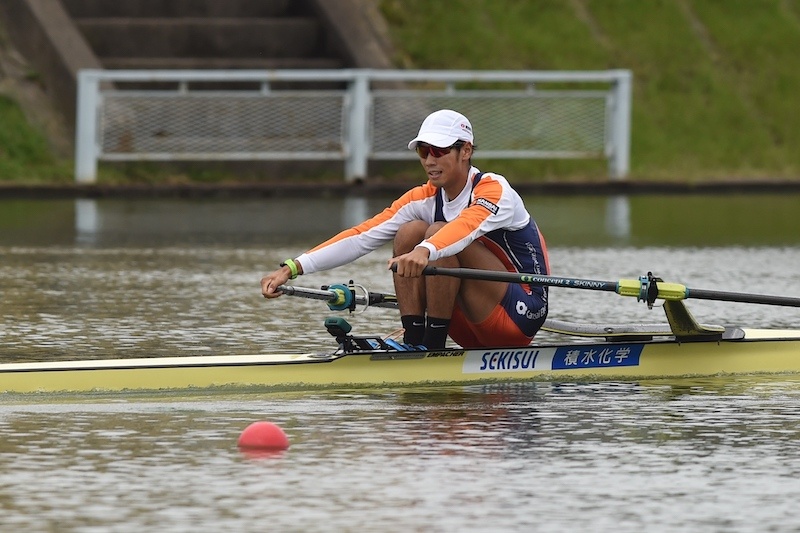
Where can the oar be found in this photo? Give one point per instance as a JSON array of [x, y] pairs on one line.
[[336, 297], [646, 288], [339, 297]]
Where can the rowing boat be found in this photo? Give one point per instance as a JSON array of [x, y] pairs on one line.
[[624, 355], [681, 347]]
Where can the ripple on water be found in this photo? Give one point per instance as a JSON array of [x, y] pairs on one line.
[[72, 303], [665, 455]]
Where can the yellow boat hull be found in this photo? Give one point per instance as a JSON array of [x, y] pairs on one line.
[[760, 351]]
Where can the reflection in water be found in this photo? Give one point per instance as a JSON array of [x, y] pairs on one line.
[[355, 210], [587, 221], [618, 217], [86, 220], [99, 222], [130, 222]]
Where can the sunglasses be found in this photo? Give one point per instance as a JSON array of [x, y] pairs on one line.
[[424, 149]]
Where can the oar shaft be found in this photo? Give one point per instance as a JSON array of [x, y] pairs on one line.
[[623, 287], [326, 295], [702, 294], [515, 277]]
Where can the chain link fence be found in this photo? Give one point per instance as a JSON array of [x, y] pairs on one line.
[[347, 115]]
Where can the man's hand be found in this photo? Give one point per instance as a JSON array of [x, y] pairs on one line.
[[271, 282], [410, 265]]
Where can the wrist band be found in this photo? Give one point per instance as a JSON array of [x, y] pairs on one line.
[[292, 267]]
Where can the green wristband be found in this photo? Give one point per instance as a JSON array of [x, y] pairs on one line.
[[292, 267]]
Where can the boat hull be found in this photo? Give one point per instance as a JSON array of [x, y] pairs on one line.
[[758, 352]]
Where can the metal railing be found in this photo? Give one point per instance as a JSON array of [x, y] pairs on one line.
[[352, 115]]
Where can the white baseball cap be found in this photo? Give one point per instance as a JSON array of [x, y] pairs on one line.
[[443, 128]]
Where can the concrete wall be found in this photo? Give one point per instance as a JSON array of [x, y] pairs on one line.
[[51, 40], [45, 34], [358, 31]]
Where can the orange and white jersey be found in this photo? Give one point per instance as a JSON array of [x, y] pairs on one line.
[[488, 208]]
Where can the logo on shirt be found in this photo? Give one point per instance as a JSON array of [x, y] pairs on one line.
[[483, 202]]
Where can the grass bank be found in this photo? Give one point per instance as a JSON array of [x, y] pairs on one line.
[[25, 154], [715, 82]]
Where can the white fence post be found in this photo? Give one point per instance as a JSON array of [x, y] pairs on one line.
[[619, 160], [86, 151], [357, 138]]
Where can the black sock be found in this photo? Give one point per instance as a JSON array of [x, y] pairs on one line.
[[436, 333], [415, 328]]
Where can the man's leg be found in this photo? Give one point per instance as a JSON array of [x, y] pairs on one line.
[[434, 296], [410, 291], [437, 295], [440, 296], [485, 314], [477, 299]]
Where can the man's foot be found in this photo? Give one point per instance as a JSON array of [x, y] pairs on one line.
[[405, 347]]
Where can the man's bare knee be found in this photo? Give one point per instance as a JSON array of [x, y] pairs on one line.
[[450, 261], [408, 236], [433, 228], [476, 255]]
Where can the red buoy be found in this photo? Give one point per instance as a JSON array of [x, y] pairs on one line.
[[263, 436]]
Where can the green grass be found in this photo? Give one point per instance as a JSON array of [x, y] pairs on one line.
[[24, 153], [715, 83]]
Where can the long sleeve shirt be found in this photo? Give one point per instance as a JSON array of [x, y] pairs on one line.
[[488, 208]]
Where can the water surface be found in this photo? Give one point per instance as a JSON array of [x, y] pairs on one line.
[[701, 455], [152, 278]]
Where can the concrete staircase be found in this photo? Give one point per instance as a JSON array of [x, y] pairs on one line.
[[204, 34], [60, 37]]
